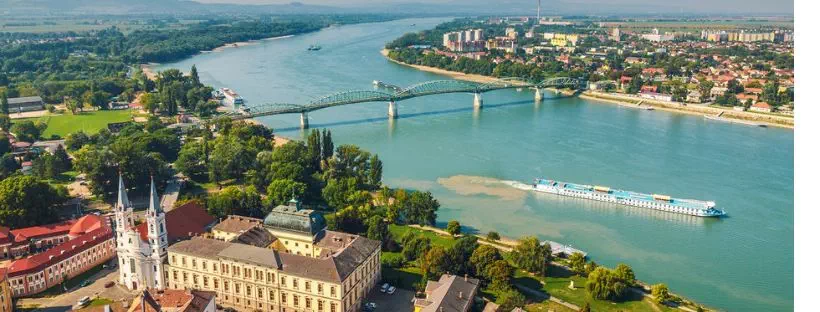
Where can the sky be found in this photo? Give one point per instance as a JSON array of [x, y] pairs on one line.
[[713, 7]]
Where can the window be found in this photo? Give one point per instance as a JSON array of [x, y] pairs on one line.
[[272, 296], [247, 290], [295, 300], [296, 283], [320, 286], [332, 307], [307, 285], [307, 302], [259, 293], [193, 263], [284, 298], [332, 291], [184, 276], [175, 276], [282, 281], [236, 287], [321, 304]]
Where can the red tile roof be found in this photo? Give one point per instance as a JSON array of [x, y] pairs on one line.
[[190, 218], [21, 235], [85, 224], [60, 252]]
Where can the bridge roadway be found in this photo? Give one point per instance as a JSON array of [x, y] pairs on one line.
[[393, 94]]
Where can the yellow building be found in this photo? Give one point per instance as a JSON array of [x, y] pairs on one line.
[[563, 40], [287, 262], [6, 304]]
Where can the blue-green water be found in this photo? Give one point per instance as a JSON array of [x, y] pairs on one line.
[[740, 263]]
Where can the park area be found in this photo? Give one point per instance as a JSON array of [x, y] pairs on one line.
[[89, 122], [537, 289]]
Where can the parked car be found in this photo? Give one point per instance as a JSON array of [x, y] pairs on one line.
[[83, 301], [109, 284], [85, 283], [391, 290], [385, 287], [369, 307]]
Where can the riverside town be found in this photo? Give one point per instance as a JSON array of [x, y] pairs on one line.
[[399, 156]]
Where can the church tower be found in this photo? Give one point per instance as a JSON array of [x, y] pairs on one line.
[[157, 239], [123, 212]]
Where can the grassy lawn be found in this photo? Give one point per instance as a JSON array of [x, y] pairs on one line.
[[547, 306], [398, 231], [557, 284], [90, 122], [404, 278], [100, 302]]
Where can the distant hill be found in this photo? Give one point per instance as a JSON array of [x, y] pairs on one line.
[[131, 7]]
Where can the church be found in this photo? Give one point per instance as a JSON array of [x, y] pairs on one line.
[[143, 249]]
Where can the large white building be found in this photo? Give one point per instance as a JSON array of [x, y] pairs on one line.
[[141, 258]]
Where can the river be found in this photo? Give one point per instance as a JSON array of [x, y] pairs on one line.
[[742, 263]]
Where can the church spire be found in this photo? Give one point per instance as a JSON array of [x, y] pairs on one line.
[[122, 196], [154, 206]]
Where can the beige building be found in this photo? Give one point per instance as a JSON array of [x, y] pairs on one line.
[[6, 304], [286, 262]]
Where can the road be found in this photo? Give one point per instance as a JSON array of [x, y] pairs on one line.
[[171, 193], [66, 301]]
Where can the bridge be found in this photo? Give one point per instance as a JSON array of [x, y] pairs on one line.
[[392, 94]]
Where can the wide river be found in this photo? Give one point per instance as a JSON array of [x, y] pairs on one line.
[[741, 263]]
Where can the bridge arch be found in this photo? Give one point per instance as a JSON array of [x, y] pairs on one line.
[[349, 97], [437, 87]]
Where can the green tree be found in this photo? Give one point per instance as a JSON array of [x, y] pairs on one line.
[[661, 293], [531, 256], [234, 200], [434, 263], [314, 149], [27, 130], [76, 140], [191, 160], [605, 284], [374, 173], [420, 208], [377, 228], [229, 159], [500, 274], [493, 236], [5, 144], [195, 76], [25, 201], [8, 165], [5, 122], [577, 263], [454, 228], [509, 300], [459, 255], [482, 258], [625, 273], [281, 191], [414, 246], [4, 103], [327, 144]]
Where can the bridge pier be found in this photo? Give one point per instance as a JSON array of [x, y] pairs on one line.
[[478, 102], [392, 110], [303, 121], [538, 95]]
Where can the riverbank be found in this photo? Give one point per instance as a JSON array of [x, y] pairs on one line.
[[148, 68], [451, 74], [624, 100], [702, 110]]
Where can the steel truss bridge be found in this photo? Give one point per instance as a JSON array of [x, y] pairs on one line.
[[392, 94]]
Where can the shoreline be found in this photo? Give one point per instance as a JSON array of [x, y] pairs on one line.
[[609, 98], [149, 68]]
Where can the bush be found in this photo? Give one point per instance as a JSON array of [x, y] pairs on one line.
[[453, 227], [493, 236], [661, 293], [50, 108], [393, 261]]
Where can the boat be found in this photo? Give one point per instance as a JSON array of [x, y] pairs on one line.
[[378, 83], [659, 202], [231, 97], [314, 47]]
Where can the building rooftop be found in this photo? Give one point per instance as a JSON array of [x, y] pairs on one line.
[[176, 300], [183, 222], [25, 99], [449, 294], [60, 252], [237, 224], [292, 217]]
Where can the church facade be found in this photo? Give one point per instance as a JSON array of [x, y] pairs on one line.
[[142, 255]]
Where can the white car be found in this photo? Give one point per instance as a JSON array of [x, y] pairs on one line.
[[391, 290], [385, 287], [83, 301]]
